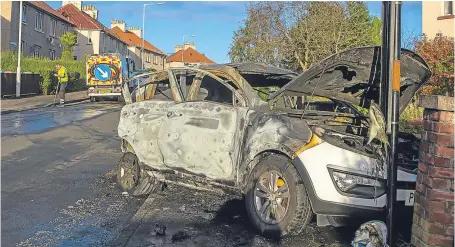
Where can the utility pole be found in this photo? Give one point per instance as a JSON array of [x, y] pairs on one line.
[[390, 98], [19, 48]]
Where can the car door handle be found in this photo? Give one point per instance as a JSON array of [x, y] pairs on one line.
[[173, 114]]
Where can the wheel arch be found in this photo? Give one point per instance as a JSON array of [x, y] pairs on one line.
[[126, 146], [255, 159]]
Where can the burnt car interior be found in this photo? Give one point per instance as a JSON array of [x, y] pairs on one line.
[[208, 87]]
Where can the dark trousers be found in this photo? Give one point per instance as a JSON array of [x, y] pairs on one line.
[[61, 92]]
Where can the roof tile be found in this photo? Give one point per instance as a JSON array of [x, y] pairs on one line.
[[190, 55], [133, 40], [44, 7], [83, 20]]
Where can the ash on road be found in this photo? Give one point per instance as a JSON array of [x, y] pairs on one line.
[[200, 218]]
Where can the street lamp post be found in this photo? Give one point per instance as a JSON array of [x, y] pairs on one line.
[[143, 30], [183, 46], [19, 48]]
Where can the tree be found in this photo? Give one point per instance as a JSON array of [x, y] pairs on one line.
[[295, 35], [439, 55], [68, 40], [376, 31]]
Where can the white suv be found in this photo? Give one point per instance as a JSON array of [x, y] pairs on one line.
[[310, 148]]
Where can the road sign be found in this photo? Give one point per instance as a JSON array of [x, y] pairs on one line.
[[103, 72]]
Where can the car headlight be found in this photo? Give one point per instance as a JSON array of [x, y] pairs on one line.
[[358, 185]]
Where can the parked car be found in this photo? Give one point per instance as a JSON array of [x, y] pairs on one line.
[[308, 149]]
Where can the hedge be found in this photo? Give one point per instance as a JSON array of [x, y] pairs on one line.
[[46, 68]]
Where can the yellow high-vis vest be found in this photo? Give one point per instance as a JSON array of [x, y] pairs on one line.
[[62, 75]]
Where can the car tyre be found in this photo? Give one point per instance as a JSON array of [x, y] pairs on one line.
[[132, 178], [298, 211]]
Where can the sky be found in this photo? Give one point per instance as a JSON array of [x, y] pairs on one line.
[[212, 23]]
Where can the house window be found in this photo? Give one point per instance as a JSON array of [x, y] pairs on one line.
[[448, 8], [89, 37], [155, 59], [36, 51], [65, 28], [24, 14], [39, 21], [116, 46], [53, 27], [22, 46], [51, 54]]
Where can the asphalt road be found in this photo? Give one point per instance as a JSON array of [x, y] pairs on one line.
[[58, 181]]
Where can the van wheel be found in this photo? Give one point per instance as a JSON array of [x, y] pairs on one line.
[[276, 200], [132, 178]]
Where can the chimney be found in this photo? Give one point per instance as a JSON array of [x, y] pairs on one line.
[[91, 11], [78, 4], [136, 31], [177, 48], [187, 45], [119, 23]]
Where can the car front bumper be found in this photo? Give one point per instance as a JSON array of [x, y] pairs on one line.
[[324, 196]]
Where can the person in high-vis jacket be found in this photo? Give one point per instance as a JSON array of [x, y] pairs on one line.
[[62, 76]]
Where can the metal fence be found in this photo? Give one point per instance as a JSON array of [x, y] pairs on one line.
[[30, 83]]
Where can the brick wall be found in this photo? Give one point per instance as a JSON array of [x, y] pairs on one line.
[[433, 218]]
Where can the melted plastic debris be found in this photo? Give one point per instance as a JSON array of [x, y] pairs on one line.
[[371, 234]]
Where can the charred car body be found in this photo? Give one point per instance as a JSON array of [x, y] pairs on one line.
[[307, 149]]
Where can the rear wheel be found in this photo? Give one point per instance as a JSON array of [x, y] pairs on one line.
[[276, 200], [132, 178]]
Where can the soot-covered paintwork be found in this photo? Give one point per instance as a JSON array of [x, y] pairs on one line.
[[185, 138], [215, 141]]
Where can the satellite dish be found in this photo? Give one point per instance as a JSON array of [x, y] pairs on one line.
[[13, 44]]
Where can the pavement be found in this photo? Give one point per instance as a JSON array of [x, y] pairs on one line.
[[9, 105]]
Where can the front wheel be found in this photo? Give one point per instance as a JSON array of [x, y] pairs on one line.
[[276, 200], [132, 178]]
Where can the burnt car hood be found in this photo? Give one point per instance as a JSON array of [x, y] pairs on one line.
[[354, 76]]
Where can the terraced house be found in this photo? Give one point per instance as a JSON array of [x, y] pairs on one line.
[[92, 36], [153, 57], [41, 28], [187, 56], [438, 17]]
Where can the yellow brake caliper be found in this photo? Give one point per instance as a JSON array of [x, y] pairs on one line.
[[279, 183]]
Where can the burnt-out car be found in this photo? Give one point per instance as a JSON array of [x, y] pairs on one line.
[[314, 146]]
